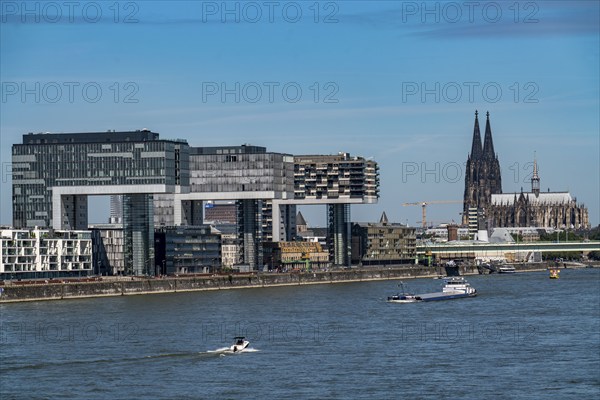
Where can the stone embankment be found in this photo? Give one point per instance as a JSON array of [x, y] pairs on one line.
[[15, 291]]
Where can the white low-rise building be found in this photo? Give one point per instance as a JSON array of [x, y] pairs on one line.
[[44, 253]]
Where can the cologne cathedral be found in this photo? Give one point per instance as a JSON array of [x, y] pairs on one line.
[[482, 174], [483, 192]]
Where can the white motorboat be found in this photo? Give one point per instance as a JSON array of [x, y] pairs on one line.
[[506, 269], [240, 344]]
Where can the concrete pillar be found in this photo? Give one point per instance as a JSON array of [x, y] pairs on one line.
[[276, 212], [284, 221], [69, 212], [177, 210], [192, 212]]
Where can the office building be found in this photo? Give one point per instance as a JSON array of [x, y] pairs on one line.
[[187, 250], [54, 173], [248, 175], [383, 243], [295, 255], [109, 249]]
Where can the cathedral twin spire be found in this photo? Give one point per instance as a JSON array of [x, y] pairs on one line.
[[476, 146], [488, 143], [487, 150]]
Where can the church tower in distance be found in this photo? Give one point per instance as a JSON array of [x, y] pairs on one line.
[[482, 173]]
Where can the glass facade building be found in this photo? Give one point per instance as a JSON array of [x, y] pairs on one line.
[[75, 165], [109, 254], [240, 169], [138, 234], [53, 175], [383, 243], [187, 249]]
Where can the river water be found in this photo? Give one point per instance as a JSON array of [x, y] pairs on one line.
[[523, 337]]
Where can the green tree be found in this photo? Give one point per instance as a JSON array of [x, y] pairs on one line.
[[565, 255], [562, 236], [594, 233]]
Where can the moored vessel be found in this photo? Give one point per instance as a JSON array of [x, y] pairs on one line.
[[506, 269]]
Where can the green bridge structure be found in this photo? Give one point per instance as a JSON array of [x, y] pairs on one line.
[[483, 248]]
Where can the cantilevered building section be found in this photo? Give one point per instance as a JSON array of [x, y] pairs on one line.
[[336, 178], [53, 174], [338, 181]]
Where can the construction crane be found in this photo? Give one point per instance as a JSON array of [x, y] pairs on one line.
[[424, 204]]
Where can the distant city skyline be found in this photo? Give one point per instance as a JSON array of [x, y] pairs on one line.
[[392, 81]]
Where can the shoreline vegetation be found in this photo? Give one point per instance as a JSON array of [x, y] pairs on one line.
[[126, 286]]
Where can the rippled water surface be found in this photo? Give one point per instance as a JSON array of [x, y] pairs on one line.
[[524, 337]]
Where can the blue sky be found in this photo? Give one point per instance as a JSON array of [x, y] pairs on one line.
[[396, 81]]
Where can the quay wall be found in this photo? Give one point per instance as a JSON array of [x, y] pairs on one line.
[[126, 286]]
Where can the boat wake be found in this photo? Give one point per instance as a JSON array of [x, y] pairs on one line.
[[223, 351], [73, 363]]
